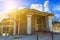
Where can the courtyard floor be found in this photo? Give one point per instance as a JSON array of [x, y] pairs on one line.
[[32, 37]]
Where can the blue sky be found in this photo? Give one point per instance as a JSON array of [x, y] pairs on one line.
[[53, 4], [6, 5]]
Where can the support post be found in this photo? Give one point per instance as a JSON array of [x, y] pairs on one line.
[[29, 24]]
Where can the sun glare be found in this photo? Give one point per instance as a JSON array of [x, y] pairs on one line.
[[7, 6], [10, 5]]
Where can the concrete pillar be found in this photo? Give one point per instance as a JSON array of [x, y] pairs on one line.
[[19, 26], [36, 25], [50, 22], [1, 30], [47, 22], [29, 24], [14, 26], [14, 30]]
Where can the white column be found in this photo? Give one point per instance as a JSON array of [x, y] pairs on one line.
[[36, 25], [14, 28], [47, 22], [19, 26], [50, 22], [1, 30], [29, 24]]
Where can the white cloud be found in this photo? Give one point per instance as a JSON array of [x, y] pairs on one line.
[[37, 7], [57, 15], [2, 16], [40, 7], [46, 4], [21, 8], [56, 8]]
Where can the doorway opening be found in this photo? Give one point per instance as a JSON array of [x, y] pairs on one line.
[[5, 31]]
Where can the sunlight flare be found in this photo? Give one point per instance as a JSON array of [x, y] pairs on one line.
[[10, 6]]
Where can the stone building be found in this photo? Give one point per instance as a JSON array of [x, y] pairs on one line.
[[28, 21]]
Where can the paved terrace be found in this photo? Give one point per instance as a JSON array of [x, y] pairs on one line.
[[41, 36]]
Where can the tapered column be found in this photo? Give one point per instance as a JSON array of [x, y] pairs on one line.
[[47, 23], [36, 25], [29, 24], [14, 26], [19, 26], [50, 23], [14, 30]]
